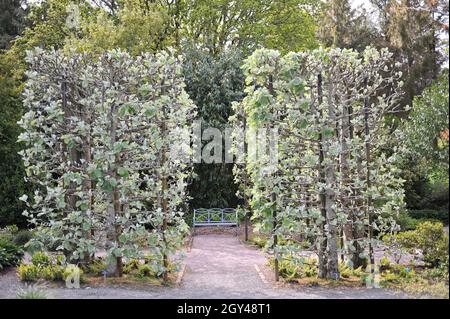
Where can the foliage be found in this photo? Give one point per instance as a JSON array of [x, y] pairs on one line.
[[259, 241], [291, 268], [10, 254], [405, 221], [221, 77], [28, 272], [430, 214], [22, 237], [428, 237], [98, 266], [79, 152], [321, 148], [340, 26], [431, 239], [133, 28], [33, 291], [11, 21], [40, 259], [46, 267], [427, 129]]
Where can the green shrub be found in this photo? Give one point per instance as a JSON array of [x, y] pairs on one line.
[[7, 233], [10, 255], [96, 267], [346, 271], [145, 270], [290, 269], [41, 259], [430, 214], [132, 265], [385, 264], [429, 237], [397, 274], [395, 244], [406, 222], [32, 292], [260, 242], [22, 237], [52, 273], [29, 272]]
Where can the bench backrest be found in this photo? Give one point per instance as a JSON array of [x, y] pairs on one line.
[[215, 216]]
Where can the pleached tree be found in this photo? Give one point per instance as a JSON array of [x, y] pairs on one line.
[[333, 186], [108, 144]]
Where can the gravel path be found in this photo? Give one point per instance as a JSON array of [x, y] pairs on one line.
[[217, 266]]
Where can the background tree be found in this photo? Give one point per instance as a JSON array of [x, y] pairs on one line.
[[341, 26], [213, 82]]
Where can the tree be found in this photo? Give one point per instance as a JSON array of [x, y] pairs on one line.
[[426, 131], [11, 21], [11, 170], [213, 82], [310, 98], [101, 135], [411, 29], [343, 27]]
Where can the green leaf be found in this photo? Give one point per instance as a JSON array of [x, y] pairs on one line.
[[123, 172]]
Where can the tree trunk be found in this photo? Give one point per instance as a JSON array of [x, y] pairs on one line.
[[330, 197], [322, 253]]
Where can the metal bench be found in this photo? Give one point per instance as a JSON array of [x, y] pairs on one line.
[[215, 217]]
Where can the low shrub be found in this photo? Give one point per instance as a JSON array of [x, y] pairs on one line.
[[32, 272], [29, 272], [10, 255], [430, 214], [40, 259], [132, 265], [96, 267], [7, 233], [346, 271], [290, 269], [32, 292], [429, 237], [52, 273], [406, 222], [146, 270], [22, 237], [258, 241]]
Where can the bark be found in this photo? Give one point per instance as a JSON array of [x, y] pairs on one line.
[[322, 253], [345, 179], [165, 204], [368, 182], [330, 199], [113, 230]]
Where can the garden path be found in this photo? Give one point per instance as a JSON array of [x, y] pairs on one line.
[[217, 266]]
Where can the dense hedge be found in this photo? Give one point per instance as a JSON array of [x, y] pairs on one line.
[[440, 215]]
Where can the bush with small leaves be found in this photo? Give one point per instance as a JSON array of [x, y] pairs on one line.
[[29, 272], [22, 237], [10, 255], [41, 259], [132, 265]]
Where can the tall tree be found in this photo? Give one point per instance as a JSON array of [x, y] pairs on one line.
[[343, 27], [12, 14], [412, 30]]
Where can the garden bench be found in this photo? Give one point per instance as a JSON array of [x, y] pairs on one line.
[[215, 217]]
